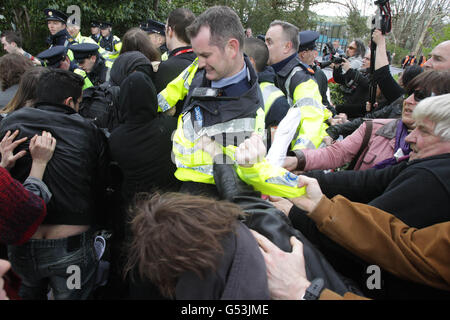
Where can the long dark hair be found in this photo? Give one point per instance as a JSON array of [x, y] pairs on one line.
[[12, 67], [26, 94], [173, 233], [136, 39]]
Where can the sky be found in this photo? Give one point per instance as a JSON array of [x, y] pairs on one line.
[[366, 7]]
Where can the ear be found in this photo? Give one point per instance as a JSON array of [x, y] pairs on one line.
[[68, 101], [288, 46], [233, 47]]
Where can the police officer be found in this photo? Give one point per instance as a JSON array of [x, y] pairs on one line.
[[181, 53], [307, 54], [56, 57], [296, 80], [109, 41], [157, 35], [95, 66], [95, 31], [275, 103], [57, 23]]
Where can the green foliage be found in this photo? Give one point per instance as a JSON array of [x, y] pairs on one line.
[[437, 37], [400, 52], [357, 25], [336, 95]]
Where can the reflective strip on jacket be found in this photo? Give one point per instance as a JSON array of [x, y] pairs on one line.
[[270, 93], [177, 89], [87, 82]]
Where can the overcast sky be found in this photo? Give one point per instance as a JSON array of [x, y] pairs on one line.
[[366, 7]]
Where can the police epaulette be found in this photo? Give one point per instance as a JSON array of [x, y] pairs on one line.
[[307, 68]]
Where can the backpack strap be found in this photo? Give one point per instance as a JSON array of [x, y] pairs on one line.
[[365, 142]]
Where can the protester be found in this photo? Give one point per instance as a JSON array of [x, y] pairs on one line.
[[12, 67]]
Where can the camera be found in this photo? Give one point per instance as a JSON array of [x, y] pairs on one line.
[[329, 51], [382, 18]]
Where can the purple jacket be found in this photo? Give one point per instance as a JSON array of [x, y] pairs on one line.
[[380, 147]]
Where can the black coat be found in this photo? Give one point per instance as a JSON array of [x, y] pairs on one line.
[[142, 144], [76, 173], [173, 66]]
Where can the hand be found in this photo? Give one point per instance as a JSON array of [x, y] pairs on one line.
[[281, 204], [369, 106], [345, 65], [328, 140], [7, 147], [311, 199], [208, 145], [290, 163], [4, 267], [251, 151], [286, 273], [378, 37], [42, 148]]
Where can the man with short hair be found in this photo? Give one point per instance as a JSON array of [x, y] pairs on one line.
[[95, 66], [157, 35], [181, 54], [12, 43], [440, 57], [303, 126], [75, 175], [57, 25], [275, 103], [95, 31]]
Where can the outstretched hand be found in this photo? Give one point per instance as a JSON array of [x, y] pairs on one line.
[[251, 151], [7, 147], [286, 273], [42, 147], [311, 199]]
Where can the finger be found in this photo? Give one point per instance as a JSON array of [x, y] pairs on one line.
[[18, 155], [53, 146], [14, 135], [275, 198], [16, 143], [304, 181], [6, 135], [297, 245], [265, 243]]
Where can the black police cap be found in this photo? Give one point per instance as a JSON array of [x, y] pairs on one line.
[[307, 40], [83, 51], [52, 57], [105, 25], [154, 26], [55, 15], [95, 24]]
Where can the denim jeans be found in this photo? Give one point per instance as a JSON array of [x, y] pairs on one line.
[[67, 265]]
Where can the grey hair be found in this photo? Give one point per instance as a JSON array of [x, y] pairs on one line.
[[290, 31], [437, 110]]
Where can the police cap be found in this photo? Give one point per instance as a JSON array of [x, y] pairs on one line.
[[105, 25], [307, 40], [55, 15], [52, 57], [95, 24], [83, 51], [154, 26]]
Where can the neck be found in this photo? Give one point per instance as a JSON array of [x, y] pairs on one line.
[[175, 43]]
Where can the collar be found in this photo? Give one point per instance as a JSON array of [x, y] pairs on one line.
[[280, 65], [238, 77], [177, 51], [54, 107], [98, 65]]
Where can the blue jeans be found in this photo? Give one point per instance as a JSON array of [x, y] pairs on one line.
[[67, 265]]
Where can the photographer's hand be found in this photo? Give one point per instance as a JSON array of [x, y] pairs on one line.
[[346, 65]]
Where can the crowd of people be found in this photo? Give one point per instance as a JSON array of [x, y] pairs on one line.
[[191, 160]]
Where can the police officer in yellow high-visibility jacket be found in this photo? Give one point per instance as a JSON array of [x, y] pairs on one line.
[[304, 125], [109, 42], [223, 103]]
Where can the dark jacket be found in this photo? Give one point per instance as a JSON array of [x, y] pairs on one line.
[[322, 82], [142, 144], [391, 111], [99, 73], [178, 60], [355, 87], [62, 38], [241, 273], [76, 173], [263, 217], [280, 106]]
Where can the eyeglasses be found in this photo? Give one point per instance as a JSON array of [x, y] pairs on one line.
[[419, 95]]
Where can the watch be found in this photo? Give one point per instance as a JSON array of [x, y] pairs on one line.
[[314, 290]]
